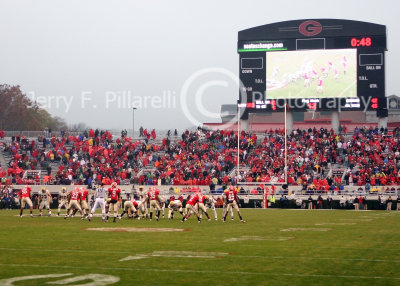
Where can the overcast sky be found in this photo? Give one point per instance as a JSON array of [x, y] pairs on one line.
[[90, 61]]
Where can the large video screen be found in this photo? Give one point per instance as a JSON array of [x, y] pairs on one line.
[[311, 74]]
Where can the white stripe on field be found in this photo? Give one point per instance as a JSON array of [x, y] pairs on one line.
[[157, 254], [208, 271]]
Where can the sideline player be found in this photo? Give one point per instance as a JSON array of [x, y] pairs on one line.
[[114, 194], [44, 201], [175, 205], [73, 202], [231, 198], [62, 200], [99, 202], [190, 208], [25, 195]]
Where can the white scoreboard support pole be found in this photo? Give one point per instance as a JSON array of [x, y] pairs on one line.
[[238, 144], [335, 121], [286, 143]]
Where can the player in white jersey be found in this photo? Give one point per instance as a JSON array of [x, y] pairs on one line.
[[210, 204], [131, 206], [175, 205], [100, 195], [143, 198], [162, 204], [44, 201], [62, 200]]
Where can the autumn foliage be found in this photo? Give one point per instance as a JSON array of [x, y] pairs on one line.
[[18, 112]]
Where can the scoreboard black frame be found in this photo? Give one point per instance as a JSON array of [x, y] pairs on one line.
[[368, 39]]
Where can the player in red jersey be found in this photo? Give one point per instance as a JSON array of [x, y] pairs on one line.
[[344, 64], [232, 199], [84, 201], [307, 81], [26, 199], [74, 199], [190, 207], [114, 194], [320, 88], [153, 195]]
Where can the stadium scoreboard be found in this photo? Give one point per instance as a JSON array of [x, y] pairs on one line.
[[321, 64]]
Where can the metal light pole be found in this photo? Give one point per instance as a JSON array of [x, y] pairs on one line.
[[285, 147], [133, 122], [238, 144]]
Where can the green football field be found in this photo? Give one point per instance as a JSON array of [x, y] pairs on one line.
[[273, 247]]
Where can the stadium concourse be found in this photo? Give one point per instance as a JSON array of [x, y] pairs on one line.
[[367, 160]]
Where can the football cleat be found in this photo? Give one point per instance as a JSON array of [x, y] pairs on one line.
[[242, 221]]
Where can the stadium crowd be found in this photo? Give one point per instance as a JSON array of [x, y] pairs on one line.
[[200, 157]]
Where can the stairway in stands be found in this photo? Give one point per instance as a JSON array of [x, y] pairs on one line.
[[4, 158]]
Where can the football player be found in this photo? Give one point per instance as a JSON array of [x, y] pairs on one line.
[[131, 206], [62, 200], [175, 205], [201, 206], [143, 199], [74, 198], [232, 201], [224, 207], [153, 195], [190, 208], [210, 203], [320, 88], [25, 195], [114, 194], [44, 201], [84, 201]]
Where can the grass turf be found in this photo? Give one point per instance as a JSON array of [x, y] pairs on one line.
[[274, 247]]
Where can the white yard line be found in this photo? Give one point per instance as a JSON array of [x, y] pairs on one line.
[[211, 254], [207, 271]]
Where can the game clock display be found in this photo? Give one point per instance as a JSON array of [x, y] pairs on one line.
[[361, 42]]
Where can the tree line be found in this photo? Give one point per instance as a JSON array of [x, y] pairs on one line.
[[18, 112]]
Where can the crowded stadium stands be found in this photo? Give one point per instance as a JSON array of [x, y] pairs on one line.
[[366, 157]]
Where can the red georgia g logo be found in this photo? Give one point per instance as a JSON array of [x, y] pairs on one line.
[[310, 28]]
